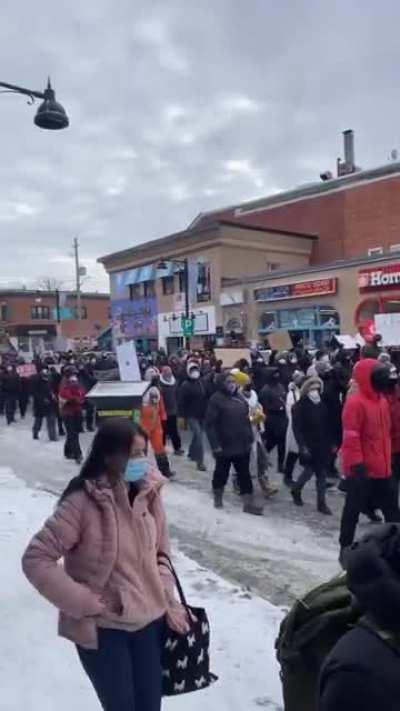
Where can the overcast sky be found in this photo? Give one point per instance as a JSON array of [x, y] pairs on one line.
[[178, 107]]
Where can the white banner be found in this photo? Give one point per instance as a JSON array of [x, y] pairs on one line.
[[128, 363], [388, 326]]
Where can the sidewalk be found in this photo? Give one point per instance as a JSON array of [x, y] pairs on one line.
[[41, 672]]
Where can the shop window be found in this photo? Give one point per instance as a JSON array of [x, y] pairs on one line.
[[149, 289], [168, 285], [203, 288], [395, 247], [268, 321], [328, 317], [4, 312], [135, 291], [374, 251], [273, 266], [391, 306], [40, 312]]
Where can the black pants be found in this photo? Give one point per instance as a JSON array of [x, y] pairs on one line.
[[170, 429], [126, 669], [50, 424], [72, 447], [275, 436], [1, 404], [10, 407], [290, 464], [23, 403], [60, 424], [317, 469], [89, 417], [362, 493], [242, 468]]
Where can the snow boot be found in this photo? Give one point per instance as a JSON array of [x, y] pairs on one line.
[[296, 496], [323, 507], [250, 506], [218, 498], [267, 488]]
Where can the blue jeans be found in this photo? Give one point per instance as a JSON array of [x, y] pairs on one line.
[[196, 448], [126, 668]]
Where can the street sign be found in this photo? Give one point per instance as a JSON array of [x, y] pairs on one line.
[[187, 326]]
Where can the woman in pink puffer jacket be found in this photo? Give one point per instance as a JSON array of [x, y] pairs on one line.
[[113, 595]]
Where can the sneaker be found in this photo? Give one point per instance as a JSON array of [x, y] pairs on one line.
[[201, 468]]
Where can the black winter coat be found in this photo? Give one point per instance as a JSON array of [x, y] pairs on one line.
[[192, 399], [170, 397], [310, 428], [11, 385], [362, 673], [228, 424], [44, 399]]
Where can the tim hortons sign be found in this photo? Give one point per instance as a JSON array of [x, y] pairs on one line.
[[386, 277]]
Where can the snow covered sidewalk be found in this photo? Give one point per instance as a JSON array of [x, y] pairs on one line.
[[39, 671]]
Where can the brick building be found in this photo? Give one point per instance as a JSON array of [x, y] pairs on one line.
[[30, 318], [354, 215]]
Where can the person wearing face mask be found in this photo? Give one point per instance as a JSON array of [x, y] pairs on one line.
[[366, 452], [230, 436], [273, 400], [116, 599], [152, 419], [11, 385], [281, 361], [192, 404], [292, 448], [169, 391], [71, 399], [45, 405], [309, 418]]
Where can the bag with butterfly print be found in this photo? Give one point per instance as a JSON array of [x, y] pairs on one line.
[[186, 657]]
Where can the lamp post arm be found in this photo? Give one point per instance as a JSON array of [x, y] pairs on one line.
[[22, 90]]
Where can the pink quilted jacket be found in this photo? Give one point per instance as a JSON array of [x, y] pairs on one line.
[[84, 531]]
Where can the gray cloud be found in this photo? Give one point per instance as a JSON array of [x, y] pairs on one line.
[[176, 108]]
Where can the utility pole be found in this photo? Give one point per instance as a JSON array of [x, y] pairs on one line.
[[78, 281]]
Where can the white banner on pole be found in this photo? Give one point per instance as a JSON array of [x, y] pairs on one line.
[[128, 363]]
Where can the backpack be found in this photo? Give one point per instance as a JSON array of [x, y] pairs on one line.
[[307, 634]]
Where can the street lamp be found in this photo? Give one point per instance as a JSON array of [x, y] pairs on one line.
[[163, 264], [50, 114]]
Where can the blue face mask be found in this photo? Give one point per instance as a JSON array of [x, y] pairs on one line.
[[136, 469]]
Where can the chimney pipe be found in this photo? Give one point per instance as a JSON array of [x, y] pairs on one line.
[[348, 137]]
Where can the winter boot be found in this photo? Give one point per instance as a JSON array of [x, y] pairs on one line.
[[323, 507], [235, 484], [250, 506], [296, 496], [267, 488], [218, 498]]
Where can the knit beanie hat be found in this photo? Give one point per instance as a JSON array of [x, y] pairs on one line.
[[241, 379]]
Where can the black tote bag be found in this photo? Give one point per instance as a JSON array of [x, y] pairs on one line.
[[186, 657]]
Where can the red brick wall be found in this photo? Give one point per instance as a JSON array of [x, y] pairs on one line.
[[19, 313], [348, 222]]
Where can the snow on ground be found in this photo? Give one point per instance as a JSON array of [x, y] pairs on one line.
[[41, 671]]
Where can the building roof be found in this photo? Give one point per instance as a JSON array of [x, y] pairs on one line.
[[308, 190], [42, 292], [300, 271], [209, 227]]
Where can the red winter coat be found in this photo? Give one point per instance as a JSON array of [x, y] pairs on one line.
[[366, 426], [71, 397], [394, 406]]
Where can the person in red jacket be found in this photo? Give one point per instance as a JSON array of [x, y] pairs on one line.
[[72, 397], [393, 398], [366, 450]]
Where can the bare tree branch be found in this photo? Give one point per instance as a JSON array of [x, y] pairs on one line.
[[48, 283]]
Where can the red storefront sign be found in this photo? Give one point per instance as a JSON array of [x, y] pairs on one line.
[[318, 287], [382, 277]]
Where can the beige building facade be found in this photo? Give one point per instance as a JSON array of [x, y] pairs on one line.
[[312, 303], [147, 282]]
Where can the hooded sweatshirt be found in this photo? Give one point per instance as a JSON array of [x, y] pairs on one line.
[[366, 426]]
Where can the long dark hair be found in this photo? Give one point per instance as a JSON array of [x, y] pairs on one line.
[[114, 436]]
